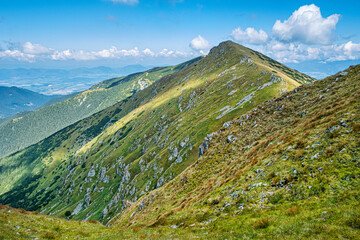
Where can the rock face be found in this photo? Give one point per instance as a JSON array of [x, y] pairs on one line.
[[203, 147], [247, 60], [77, 209], [91, 173], [143, 83]]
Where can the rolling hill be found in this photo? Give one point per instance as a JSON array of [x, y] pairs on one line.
[[28, 129], [98, 166]]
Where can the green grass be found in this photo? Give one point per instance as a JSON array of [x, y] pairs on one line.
[[291, 173], [176, 112], [299, 173], [33, 127]]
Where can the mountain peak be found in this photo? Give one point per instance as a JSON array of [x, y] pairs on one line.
[[224, 46]]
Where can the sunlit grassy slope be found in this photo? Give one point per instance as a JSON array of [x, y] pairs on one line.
[[98, 166], [30, 128], [287, 169]]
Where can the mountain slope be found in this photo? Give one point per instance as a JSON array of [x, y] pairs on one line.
[[287, 169], [291, 175], [97, 166], [35, 126], [14, 100]]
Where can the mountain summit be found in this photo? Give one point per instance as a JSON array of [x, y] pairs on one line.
[[97, 167]]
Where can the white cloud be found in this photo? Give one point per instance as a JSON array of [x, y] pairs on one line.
[[298, 52], [346, 51], [30, 52], [250, 35], [148, 52], [200, 44], [126, 2], [18, 55], [30, 48], [306, 25]]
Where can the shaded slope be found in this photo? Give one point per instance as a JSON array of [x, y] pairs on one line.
[[143, 142], [28, 129], [287, 169], [14, 100]]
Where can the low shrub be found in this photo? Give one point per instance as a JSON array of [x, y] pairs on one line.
[[263, 223]]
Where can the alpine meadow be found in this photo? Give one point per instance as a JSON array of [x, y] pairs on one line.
[[220, 138]]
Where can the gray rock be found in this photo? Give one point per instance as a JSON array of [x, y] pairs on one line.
[[105, 212], [102, 172], [91, 173], [77, 209], [203, 147], [141, 206], [227, 124], [344, 73], [87, 199], [246, 59]]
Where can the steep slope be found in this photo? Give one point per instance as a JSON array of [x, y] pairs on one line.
[[298, 180], [35, 126], [144, 141], [14, 100], [287, 169]]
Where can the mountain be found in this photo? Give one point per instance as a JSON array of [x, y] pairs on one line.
[[14, 100], [30, 128], [62, 81], [288, 169], [95, 167], [292, 174]]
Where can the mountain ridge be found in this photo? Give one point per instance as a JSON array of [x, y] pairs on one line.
[[30, 128], [138, 140], [269, 189]]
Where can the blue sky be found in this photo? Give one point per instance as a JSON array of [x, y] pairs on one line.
[[54, 33]]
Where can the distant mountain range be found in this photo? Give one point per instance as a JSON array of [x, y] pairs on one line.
[[62, 81], [14, 100]]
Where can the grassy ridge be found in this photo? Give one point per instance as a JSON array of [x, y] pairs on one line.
[[289, 171], [142, 142], [29, 129]]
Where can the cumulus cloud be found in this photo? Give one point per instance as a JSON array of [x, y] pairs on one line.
[[18, 55], [306, 25], [346, 51], [250, 35], [126, 2], [200, 44], [298, 52], [31, 52], [29, 48], [148, 52]]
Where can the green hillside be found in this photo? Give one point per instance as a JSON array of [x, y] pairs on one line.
[[96, 167], [30, 128], [291, 175], [288, 169]]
